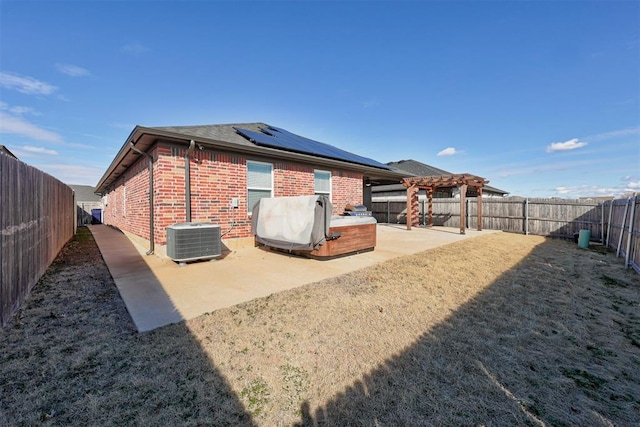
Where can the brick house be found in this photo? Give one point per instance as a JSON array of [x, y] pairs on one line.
[[216, 173]]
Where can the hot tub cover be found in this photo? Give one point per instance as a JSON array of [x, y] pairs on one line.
[[292, 223]]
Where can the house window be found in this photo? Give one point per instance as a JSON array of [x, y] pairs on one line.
[[259, 182], [322, 182]]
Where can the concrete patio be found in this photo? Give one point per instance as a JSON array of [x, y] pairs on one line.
[[158, 292]]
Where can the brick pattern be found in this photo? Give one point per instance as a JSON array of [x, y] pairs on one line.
[[126, 205], [216, 178], [346, 188], [292, 179]]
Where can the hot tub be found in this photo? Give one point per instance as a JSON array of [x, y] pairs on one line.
[[303, 225], [347, 235]]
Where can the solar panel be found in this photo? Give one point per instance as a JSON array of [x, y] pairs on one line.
[[280, 138]]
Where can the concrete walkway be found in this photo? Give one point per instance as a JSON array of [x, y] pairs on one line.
[[158, 292]]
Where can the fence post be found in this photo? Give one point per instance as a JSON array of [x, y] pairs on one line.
[[602, 223], [526, 217], [466, 214], [74, 207], [627, 254], [624, 220], [609, 222], [388, 214]]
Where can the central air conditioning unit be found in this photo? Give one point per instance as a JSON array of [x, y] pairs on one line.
[[190, 241]]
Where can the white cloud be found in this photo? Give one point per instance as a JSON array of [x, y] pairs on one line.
[[449, 151], [615, 134], [39, 150], [23, 110], [590, 190], [134, 48], [27, 85], [72, 173], [634, 185], [571, 144], [14, 125], [18, 109], [72, 70]]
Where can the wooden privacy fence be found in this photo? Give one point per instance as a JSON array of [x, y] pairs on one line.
[[621, 225], [37, 217], [614, 223], [545, 217]]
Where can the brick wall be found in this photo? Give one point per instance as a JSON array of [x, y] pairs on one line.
[[346, 188], [292, 179], [126, 206], [296, 179], [216, 178]]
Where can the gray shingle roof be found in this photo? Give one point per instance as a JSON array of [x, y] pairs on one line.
[[223, 132], [263, 135], [84, 193], [417, 168]]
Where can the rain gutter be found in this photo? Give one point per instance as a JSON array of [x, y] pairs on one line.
[[187, 179]]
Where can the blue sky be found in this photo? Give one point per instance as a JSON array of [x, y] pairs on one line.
[[541, 98]]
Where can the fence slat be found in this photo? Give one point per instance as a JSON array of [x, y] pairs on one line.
[[624, 220]]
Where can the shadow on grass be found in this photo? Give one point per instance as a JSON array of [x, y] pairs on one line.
[[72, 356], [545, 344]]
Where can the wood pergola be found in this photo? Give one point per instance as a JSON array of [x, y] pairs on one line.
[[430, 183]]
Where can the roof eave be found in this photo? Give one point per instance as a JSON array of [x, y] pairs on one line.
[[122, 154]]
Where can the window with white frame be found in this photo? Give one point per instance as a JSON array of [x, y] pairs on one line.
[[259, 182], [322, 182]]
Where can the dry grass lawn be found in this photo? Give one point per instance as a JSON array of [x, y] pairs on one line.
[[502, 329]]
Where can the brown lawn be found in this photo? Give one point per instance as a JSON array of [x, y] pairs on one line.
[[502, 329]]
